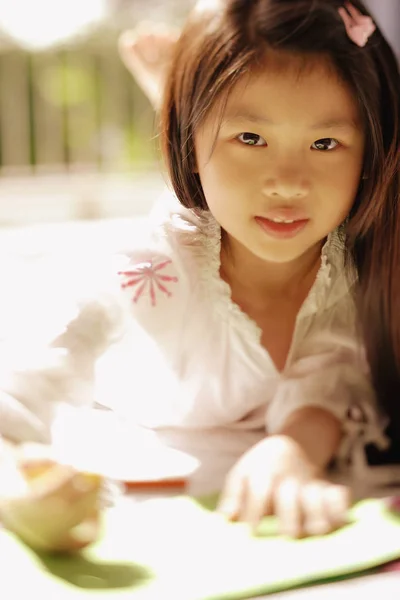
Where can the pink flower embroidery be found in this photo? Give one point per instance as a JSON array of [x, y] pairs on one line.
[[148, 276]]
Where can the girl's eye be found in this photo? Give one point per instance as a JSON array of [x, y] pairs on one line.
[[325, 144], [251, 139]]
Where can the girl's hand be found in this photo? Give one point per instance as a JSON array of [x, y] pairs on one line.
[[277, 477], [50, 506]]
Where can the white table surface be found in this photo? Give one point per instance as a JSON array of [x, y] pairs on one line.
[[214, 452]]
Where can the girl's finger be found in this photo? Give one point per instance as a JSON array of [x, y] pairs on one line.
[[287, 507], [337, 499], [233, 495], [317, 519], [257, 501]]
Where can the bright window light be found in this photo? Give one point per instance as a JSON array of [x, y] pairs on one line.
[[38, 24]]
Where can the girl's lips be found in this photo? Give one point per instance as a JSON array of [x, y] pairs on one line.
[[282, 230], [285, 213]]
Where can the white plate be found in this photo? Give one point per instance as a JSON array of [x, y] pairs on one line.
[[97, 441]]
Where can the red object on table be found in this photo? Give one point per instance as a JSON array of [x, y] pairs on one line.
[[178, 484]]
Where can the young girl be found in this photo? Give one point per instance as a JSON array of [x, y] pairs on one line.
[[281, 135]]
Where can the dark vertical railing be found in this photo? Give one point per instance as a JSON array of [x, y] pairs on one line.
[[65, 107], [31, 109], [113, 106]]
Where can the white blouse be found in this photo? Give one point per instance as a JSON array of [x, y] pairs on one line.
[[155, 335]]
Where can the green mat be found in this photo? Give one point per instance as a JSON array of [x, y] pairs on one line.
[[179, 549]]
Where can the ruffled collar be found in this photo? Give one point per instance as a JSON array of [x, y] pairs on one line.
[[199, 230]]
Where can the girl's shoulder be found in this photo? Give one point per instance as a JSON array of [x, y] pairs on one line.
[[331, 302], [337, 278], [163, 270]]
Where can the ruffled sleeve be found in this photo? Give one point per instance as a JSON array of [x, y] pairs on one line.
[[158, 282], [332, 375], [329, 369], [97, 328], [67, 311]]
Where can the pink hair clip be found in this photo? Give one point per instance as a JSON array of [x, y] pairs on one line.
[[359, 27]]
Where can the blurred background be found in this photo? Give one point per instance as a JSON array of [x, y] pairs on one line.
[[77, 135]]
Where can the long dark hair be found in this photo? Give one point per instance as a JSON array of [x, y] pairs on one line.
[[219, 44]]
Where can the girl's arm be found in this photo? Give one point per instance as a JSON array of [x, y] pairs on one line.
[[50, 349], [328, 390], [317, 431]]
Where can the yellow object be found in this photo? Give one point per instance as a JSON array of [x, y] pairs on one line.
[[58, 510]]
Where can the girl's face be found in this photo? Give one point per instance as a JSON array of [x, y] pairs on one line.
[[290, 148]]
